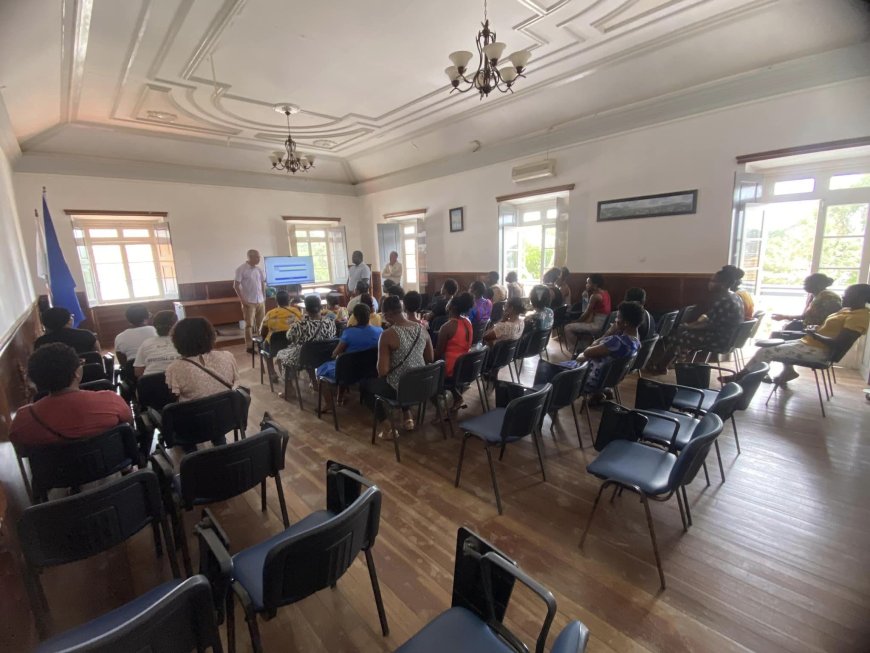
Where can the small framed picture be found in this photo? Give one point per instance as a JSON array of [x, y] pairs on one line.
[[456, 219]]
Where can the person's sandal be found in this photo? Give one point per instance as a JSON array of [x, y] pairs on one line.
[[408, 424]]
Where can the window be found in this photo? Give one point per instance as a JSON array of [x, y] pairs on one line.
[[409, 250], [843, 243], [532, 236], [125, 258], [794, 186], [840, 182], [326, 246]]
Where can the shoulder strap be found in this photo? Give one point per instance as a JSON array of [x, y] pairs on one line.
[[410, 349], [39, 421], [209, 372]]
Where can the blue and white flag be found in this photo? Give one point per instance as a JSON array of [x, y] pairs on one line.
[[60, 281]]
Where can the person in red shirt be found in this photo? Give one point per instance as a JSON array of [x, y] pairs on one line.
[[66, 413]]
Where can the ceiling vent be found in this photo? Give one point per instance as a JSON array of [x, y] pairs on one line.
[[536, 170]]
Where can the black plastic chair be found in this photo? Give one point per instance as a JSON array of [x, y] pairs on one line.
[[188, 423], [468, 369], [653, 473], [666, 323], [610, 376], [152, 392], [350, 369], [500, 427], [584, 339], [645, 352], [75, 463], [98, 385], [685, 315], [83, 525], [416, 387], [311, 555], [175, 617], [567, 389], [267, 352], [221, 473], [500, 355], [311, 356], [93, 372], [532, 343], [483, 581], [739, 338]]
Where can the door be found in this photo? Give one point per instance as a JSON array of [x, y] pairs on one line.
[[389, 240]]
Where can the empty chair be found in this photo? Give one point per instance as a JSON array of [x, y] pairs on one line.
[[187, 423], [652, 473], [152, 392], [311, 555], [533, 343], [83, 525], [666, 324], [500, 427], [647, 347], [483, 581], [350, 369], [567, 389], [220, 473], [312, 355], [501, 354], [77, 462], [416, 387], [175, 617], [468, 369]]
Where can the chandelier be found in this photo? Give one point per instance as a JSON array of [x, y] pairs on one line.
[[289, 159], [488, 76]]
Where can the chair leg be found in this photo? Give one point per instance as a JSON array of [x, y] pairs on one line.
[[772, 392], [286, 384], [170, 547], [465, 437], [261, 370], [263, 496], [494, 481], [271, 381], [158, 545], [501, 452], [706, 473], [333, 397], [279, 489], [484, 404], [592, 514], [652, 534], [298, 390], [585, 407], [719, 458], [254, 630], [576, 424], [819, 390], [375, 421], [686, 502], [830, 379], [616, 395], [185, 551], [231, 622], [395, 436], [736, 439], [376, 588], [438, 401], [834, 373], [682, 512], [536, 436]]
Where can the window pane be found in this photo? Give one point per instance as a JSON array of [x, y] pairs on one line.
[[838, 182], [302, 233], [532, 216], [317, 233], [78, 234], [137, 233], [751, 251], [793, 186], [841, 252], [506, 219], [107, 254], [112, 280], [144, 279], [409, 230], [842, 278], [139, 253], [551, 214], [549, 238], [103, 233], [846, 220], [549, 256], [510, 261], [302, 249]]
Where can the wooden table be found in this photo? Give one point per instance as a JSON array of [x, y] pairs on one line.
[[224, 310]]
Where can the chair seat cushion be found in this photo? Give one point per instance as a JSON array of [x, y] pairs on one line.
[[248, 564], [633, 463], [456, 630], [107, 622], [662, 430], [685, 400], [487, 426]]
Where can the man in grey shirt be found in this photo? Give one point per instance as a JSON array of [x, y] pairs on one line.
[[250, 285]]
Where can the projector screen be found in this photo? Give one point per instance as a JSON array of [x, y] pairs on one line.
[[286, 270]]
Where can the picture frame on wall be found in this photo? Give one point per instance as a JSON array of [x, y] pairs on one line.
[[682, 202], [457, 219]]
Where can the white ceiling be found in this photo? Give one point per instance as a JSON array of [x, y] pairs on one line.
[[83, 78]]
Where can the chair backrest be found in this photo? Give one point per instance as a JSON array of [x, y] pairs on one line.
[[726, 403], [93, 372], [219, 473], [316, 558], [610, 319], [77, 462], [468, 367], [666, 323], [315, 353], [750, 383], [560, 315], [199, 420], [497, 312], [501, 354], [477, 331], [643, 354], [98, 385], [654, 395], [277, 342], [524, 414], [614, 371], [353, 367], [685, 314], [421, 383], [758, 316], [837, 354], [532, 343], [694, 453], [82, 525], [618, 423], [694, 375], [742, 333], [180, 621], [91, 357], [568, 386], [153, 392]]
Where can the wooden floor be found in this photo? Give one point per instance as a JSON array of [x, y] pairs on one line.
[[778, 558]]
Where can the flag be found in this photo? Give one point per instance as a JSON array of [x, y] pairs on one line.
[[41, 256], [60, 281]]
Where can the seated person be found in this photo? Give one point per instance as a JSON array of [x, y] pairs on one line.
[[202, 371], [647, 328], [413, 301], [312, 328], [57, 322], [278, 320], [334, 311], [395, 290], [438, 307], [589, 324], [513, 287], [155, 354], [494, 292], [748, 302], [455, 338], [66, 413], [482, 309], [564, 288], [128, 341], [551, 280], [362, 288], [542, 316], [374, 319], [359, 337], [511, 325], [839, 329], [821, 302]]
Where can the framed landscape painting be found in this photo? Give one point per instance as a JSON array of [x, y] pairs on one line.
[[649, 206]]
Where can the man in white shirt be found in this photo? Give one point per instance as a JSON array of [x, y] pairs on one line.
[[393, 270], [359, 271], [127, 342], [155, 354], [250, 286]]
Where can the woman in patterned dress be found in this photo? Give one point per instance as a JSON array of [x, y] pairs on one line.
[[313, 327]]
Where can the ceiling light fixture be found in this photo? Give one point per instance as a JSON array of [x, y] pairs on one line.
[[289, 160], [488, 76]]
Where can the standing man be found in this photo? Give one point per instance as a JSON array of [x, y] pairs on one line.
[[359, 271], [393, 270], [250, 286]]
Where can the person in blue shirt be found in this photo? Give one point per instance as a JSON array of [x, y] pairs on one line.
[[359, 337]]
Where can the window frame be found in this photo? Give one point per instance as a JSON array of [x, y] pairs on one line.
[[332, 233]]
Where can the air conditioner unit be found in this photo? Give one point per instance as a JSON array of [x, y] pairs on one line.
[[535, 170]]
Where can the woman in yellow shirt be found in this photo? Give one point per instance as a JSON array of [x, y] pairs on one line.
[[278, 320]]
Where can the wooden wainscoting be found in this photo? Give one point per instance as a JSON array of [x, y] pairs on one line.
[[464, 279], [14, 391]]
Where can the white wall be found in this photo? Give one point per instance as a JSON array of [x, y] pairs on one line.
[[693, 153], [212, 226], [17, 294]]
